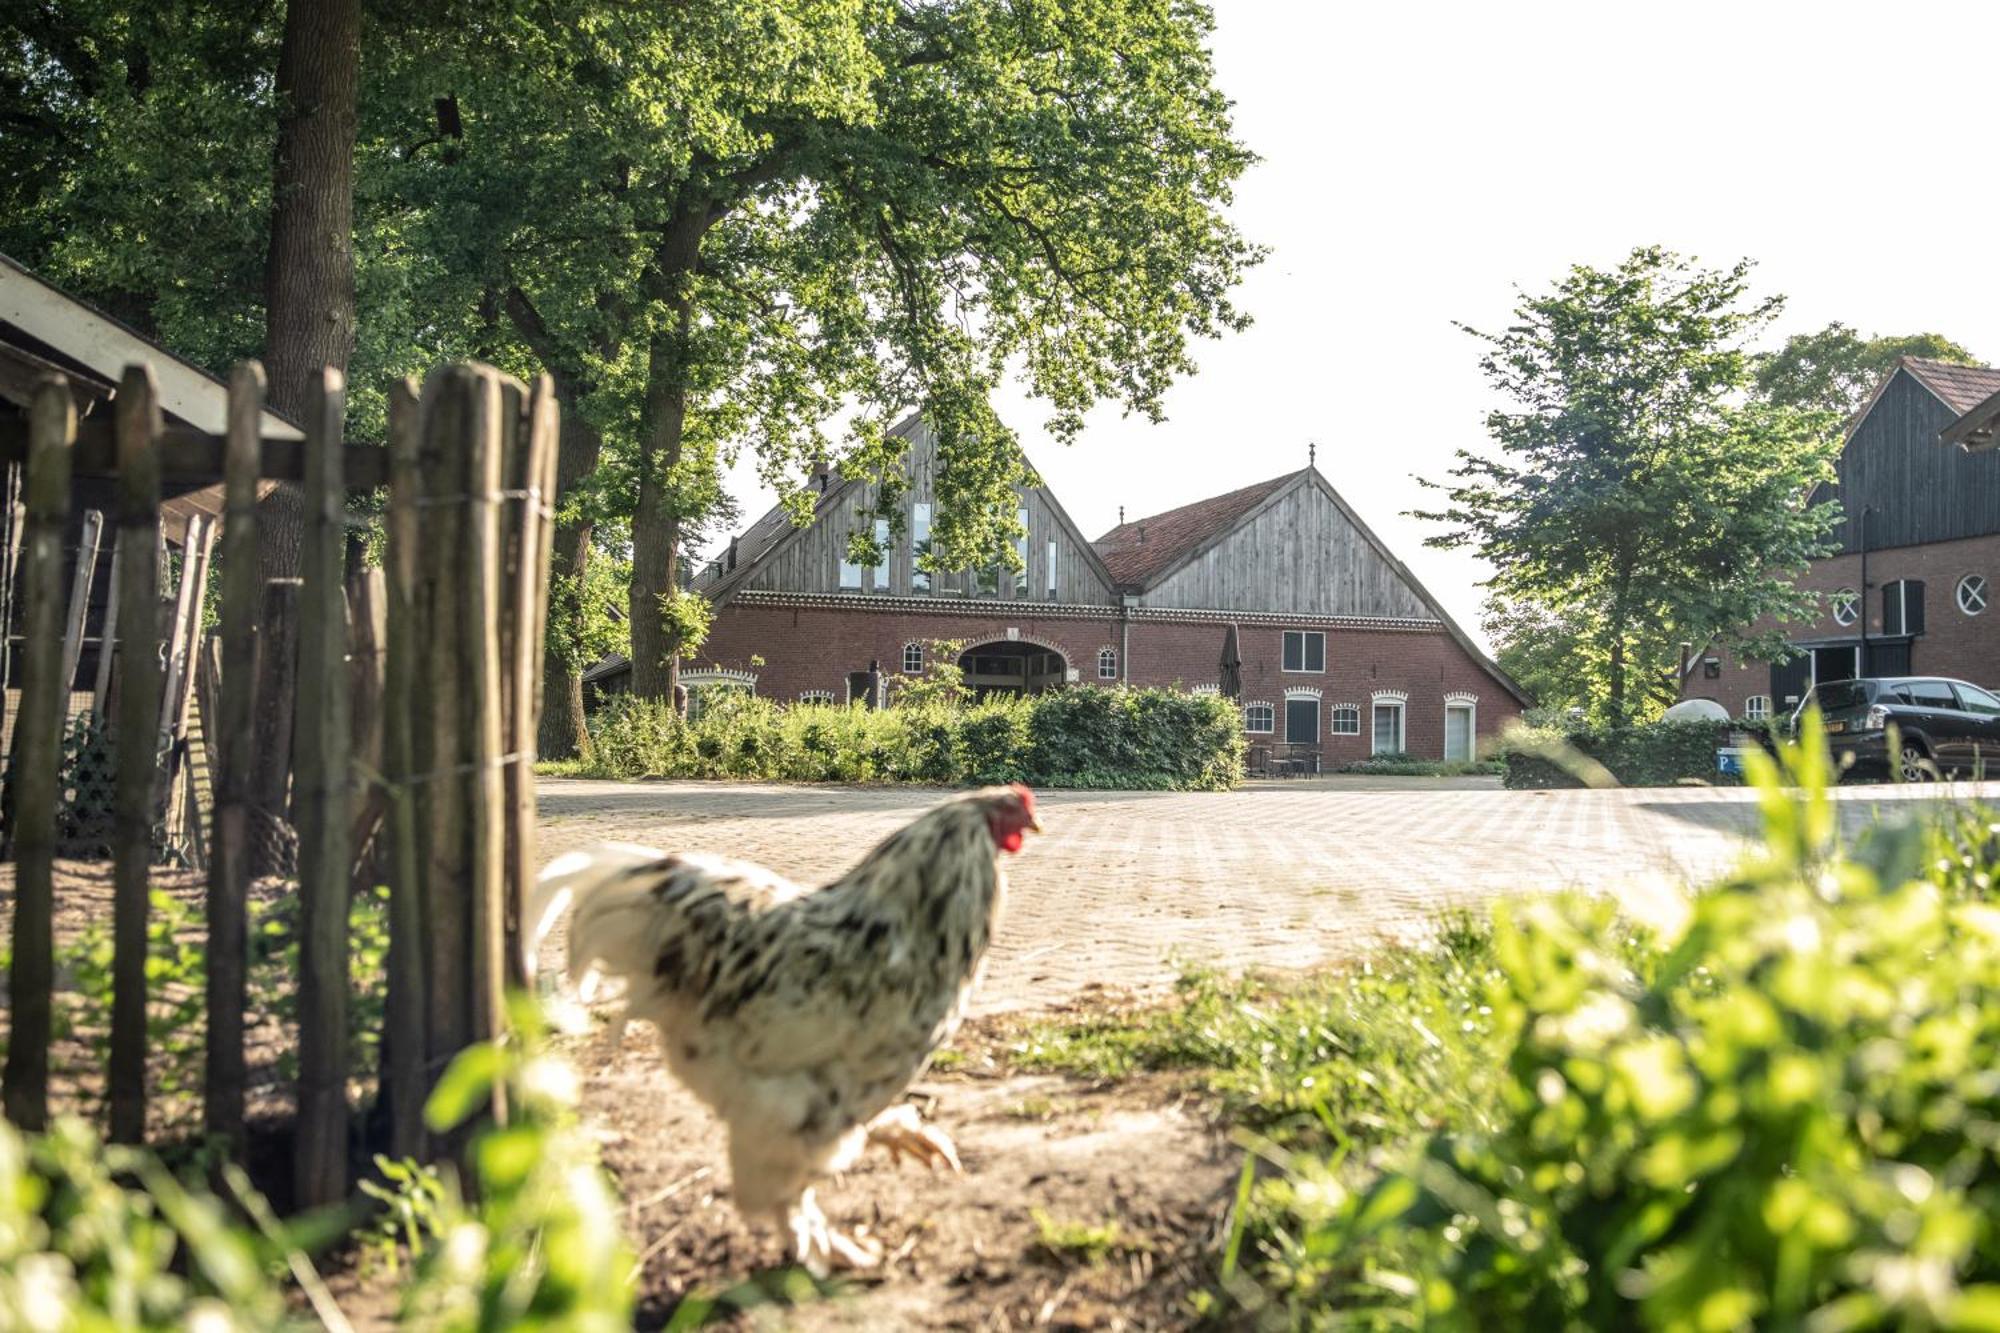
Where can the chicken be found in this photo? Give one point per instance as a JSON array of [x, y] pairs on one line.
[[800, 1017]]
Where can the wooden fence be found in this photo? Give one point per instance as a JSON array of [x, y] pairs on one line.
[[413, 732]]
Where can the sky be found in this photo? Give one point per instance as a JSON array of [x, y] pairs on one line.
[[1420, 163]]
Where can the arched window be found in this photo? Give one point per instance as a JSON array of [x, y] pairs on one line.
[[1107, 664], [1346, 720], [1972, 594], [1260, 718], [1757, 707], [815, 696], [913, 658]]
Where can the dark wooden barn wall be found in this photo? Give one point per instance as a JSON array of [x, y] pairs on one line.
[[1921, 490]]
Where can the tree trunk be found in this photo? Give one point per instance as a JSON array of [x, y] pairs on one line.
[[563, 733]]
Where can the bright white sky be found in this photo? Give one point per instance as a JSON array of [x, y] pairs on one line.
[[1420, 161]]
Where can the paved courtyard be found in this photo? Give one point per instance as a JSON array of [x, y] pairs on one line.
[[1128, 887]]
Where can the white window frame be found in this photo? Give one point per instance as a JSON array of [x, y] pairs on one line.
[[1050, 577], [1319, 724], [1270, 718], [1400, 701], [1850, 600], [1333, 727], [1470, 703], [913, 649], [1206, 689], [1969, 587], [1304, 656], [921, 580], [816, 697], [1107, 663], [1757, 708]]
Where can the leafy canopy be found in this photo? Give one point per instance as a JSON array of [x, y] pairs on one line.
[[1834, 369], [1635, 492]]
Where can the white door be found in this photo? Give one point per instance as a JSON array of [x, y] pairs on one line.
[[1457, 734]]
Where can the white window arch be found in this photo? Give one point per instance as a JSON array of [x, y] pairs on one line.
[[1757, 708], [1107, 664], [1259, 718], [1206, 689], [1971, 594], [913, 658], [815, 696]]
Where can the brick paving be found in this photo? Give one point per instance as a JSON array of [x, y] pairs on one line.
[[1128, 888]]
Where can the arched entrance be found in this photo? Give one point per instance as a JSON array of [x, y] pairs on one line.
[[1012, 666]]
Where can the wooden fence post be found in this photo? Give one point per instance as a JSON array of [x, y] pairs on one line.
[[531, 470], [324, 811], [79, 599], [231, 743], [138, 725], [404, 1043], [37, 760], [479, 623]]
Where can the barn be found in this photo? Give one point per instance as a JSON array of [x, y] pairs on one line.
[[1277, 594]]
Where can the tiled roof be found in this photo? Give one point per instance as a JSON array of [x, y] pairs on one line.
[[1144, 549], [1961, 387]]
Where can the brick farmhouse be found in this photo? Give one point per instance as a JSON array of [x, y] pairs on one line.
[[1910, 587], [1338, 651]]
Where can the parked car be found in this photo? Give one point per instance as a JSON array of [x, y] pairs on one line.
[[1942, 726]]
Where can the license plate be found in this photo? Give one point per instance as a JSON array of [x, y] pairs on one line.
[[1832, 727]]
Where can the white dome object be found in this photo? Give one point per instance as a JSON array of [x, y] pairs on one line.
[[1697, 710]]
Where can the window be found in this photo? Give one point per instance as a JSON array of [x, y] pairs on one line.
[[1461, 729], [1346, 720], [1301, 720], [1975, 700], [913, 658], [920, 546], [1107, 664], [1972, 594], [816, 696], [1757, 707], [850, 573], [1305, 650], [878, 574], [1930, 694], [1050, 579], [1021, 552], [1388, 738], [1846, 605], [1903, 607], [1259, 718]]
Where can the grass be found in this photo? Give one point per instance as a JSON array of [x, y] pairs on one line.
[[1073, 1243]]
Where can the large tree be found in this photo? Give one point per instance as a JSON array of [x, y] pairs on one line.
[[728, 224], [1636, 494], [1834, 369]]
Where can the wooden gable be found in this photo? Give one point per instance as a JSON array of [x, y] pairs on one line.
[[1921, 489]]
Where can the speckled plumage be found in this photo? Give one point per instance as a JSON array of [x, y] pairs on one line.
[[800, 1017]]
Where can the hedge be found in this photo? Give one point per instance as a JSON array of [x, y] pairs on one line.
[[1655, 754], [1145, 739]]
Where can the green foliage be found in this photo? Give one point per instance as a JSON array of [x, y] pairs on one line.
[[587, 613], [1650, 754], [1635, 489], [1834, 369], [1145, 739], [95, 1236], [1781, 1117], [1410, 766]]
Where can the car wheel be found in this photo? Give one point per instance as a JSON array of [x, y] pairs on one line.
[[1915, 765]]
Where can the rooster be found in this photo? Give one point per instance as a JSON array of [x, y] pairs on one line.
[[800, 1017]]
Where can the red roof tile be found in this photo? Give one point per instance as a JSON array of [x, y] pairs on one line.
[[1961, 387], [1145, 549]]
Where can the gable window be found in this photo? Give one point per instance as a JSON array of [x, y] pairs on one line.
[[1757, 708], [1972, 594], [1903, 607], [1846, 605], [913, 658], [816, 696], [1305, 650], [1259, 718], [1021, 553], [1345, 720], [1387, 724], [920, 546], [1107, 664], [878, 575], [1050, 578], [1301, 719], [850, 573]]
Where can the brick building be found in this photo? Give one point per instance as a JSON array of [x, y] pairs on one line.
[[1908, 590], [1338, 651]]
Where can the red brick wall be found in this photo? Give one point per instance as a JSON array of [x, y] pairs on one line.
[[1952, 644], [813, 648]]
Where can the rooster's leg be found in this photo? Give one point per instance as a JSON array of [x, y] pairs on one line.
[[903, 1133], [817, 1247]]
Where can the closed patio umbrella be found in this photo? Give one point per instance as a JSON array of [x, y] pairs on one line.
[[1231, 678]]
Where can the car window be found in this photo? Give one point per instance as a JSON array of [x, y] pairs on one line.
[[1932, 694], [1975, 700], [1840, 694]]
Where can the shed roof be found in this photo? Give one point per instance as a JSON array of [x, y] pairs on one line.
[[1146, 550]]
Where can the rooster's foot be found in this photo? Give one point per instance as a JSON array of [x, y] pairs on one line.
[[903, 1133], [820, 1249]]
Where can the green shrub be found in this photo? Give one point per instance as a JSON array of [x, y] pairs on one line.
[[1783, 1118], [1410, 766], [1652, 754], [1095, 738]]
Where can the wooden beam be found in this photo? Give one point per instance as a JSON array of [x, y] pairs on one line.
[[404, 1010], [79, 598], [192, 455], [37, 765]]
